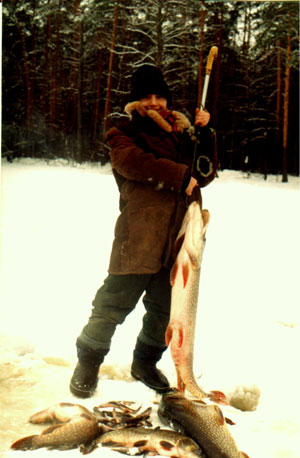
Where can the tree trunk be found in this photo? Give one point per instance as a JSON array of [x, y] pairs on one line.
[[278, 105], [97, 96], [77, 81], [110, 67], [80, 92], [27, 75], [184, 57], [219, 22], [55, 90], [201, 53], [246, 45], [278, 92], [159, 35], [50, 77], [286, 110]]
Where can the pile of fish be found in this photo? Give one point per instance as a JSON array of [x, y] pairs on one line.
[[121, 428], [200, 429], [74, 425], [121, 415]]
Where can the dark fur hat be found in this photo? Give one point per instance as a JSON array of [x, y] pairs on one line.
[[148, 79]]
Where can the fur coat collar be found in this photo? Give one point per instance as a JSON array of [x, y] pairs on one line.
[[179, 124]]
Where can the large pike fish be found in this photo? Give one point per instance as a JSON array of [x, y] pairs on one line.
[[185, 277], [203, 423], [76, 426], [158, 441]]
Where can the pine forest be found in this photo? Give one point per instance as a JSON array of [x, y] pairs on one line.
[[67, 64]]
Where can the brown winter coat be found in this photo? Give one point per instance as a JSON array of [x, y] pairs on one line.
[[151, 164]]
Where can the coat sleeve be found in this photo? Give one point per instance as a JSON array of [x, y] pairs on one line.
[[133, 163]]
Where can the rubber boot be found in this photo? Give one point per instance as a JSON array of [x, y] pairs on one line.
[[84, 380], [144, 368]]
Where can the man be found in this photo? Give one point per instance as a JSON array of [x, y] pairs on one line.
[[152, 157]]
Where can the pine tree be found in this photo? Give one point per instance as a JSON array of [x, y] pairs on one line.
[[67, 69]]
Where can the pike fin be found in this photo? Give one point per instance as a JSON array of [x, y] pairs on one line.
[[40, 417], [219, 397], [229, 422], [219, 416], [51, 429], [178, 245], [26, 443], [122, 450], [199, 401], [205, 219], [173, 273], [85, 416], [112, 443], [67, 404]]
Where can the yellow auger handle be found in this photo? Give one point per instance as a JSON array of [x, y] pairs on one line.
[[212, 54]]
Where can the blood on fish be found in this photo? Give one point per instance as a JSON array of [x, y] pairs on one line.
[[169, 333], [185, 274], [180, 337]]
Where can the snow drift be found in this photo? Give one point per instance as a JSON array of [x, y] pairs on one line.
[[58, 223]]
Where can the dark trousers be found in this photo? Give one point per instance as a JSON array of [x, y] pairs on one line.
[[116, 298]]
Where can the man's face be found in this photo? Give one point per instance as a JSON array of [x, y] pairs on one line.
[[154, 102]]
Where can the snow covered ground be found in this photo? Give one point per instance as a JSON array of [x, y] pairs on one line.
[[58, 222]]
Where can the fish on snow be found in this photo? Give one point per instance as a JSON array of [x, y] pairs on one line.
[[159, 441], [205, 424], [73, 425]]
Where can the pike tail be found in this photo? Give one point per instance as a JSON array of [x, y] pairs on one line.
[[176, 335], [195, 390], [215, 396]]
